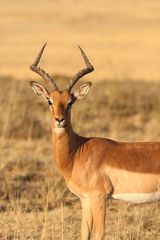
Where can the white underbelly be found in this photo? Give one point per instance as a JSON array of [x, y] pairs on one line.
[[137, 197]]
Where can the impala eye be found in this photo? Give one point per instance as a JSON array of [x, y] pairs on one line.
[[71, 101], [49, 102]]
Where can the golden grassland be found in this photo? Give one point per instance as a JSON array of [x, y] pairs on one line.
[[122, 38], [34, 201]]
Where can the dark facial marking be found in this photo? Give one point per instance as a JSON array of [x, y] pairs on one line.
[[49, 102]]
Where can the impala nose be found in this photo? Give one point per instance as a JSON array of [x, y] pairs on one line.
[[59, 120]]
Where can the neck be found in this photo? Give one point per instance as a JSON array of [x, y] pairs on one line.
[[65, 143]]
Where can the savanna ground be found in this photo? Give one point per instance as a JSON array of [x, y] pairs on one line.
[[122, 40], [34, 201]]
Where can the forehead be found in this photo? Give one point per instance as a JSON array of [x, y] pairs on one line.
[[58, 96]]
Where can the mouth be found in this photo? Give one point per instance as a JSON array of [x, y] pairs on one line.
[[59, 125]]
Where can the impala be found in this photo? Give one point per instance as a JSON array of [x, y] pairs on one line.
[[96, 169]]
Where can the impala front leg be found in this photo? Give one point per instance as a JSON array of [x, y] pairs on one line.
[[99, 213], [87, 219]]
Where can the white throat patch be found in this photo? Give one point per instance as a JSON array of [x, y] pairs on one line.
[[59, 130]]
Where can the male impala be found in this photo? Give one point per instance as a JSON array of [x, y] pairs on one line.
[[96, 168]]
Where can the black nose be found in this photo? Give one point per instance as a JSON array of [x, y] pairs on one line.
[[59, 120]]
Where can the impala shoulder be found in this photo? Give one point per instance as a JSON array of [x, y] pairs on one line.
[[101, 142], [97, 148]]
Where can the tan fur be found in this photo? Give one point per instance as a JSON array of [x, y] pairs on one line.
[[97, 168]]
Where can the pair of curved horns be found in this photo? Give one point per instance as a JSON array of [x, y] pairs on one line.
[[34, 67]]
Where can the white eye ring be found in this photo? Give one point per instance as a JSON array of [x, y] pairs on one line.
[[50, 101], [70, 102]]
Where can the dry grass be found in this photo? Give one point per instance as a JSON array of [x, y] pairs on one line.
[[34, 201], [122, 40], [122, 37]]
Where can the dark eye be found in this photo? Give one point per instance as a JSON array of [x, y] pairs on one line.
[[71, 101], [50, 102]]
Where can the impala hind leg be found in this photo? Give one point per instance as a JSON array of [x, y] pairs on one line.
[[99, 212], [87, 219]]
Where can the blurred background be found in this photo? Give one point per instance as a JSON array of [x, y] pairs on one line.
[[120, 37], [122, 41]]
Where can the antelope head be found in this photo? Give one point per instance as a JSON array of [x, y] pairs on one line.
[[60, 102]]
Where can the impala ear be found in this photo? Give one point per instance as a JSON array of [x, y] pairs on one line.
[[40, 90], [82, 91]]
